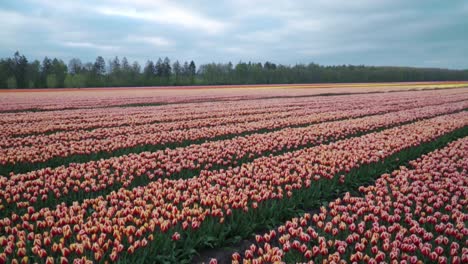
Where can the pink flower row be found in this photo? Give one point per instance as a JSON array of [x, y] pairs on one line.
[[86, 119], [126, 220], [92, 98], [64, 137], [44, 148], [413, 215], [25, 190]]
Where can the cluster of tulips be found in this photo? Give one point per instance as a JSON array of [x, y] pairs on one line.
[[413, 215], [129, 219], [92, 98], [52, 121], [82, 99], [41, 148], [83, 179], [109, 132], [27, 123]]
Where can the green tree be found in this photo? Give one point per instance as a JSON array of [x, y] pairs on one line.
[[126, 73], [99, 66], [192, 71], [166, 70], [52, 81], [59, 69], [20, 68], [75, 66], [149, 73], [177, 69], [46, 69], [5, 72], [135, 74], [114, 66], [11, 83], [34, 74], [75, 81], [18, 72], [115, 72], [159, 67], [69, 81], [241, 70], [97, 73], [125, 65]]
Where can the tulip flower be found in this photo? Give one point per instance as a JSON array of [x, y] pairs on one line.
[[128, 215], [176, 236], [388, 241]]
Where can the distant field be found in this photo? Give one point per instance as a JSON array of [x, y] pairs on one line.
[[50, 99], [243, 174]]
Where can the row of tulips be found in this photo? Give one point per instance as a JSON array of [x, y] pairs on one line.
[[124, 117], [155, 136], [65, 100], [55, 100], [49, 122], [102, 133], [114, 226], [48, 186], [127, 103], [413, 215], [87, 119], [51, 118], [208, 121], [45, 100]]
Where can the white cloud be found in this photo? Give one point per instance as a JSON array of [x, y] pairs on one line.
[[280, 34], [236, 50], [352, 6], [163, 12], [154, 41], [264, 8], [90, 45], [262, 36], [320, 49], [159, 11], [15, 27], [13, 20]]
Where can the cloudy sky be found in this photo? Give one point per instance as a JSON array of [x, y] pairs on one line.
[[428, 33]]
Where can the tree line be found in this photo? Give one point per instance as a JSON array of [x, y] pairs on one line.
[[19, 72]]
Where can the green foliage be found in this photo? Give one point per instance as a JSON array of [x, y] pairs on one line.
[[20, 67], [75, 66], [75, 81], [34, 74], [69, 81], [121, 73], [99, 67], [51, 81], [59, 69], [11, 83]]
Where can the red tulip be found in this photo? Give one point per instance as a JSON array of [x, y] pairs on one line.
[[236, 257], [176, 236]]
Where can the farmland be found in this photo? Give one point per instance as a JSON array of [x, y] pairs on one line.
[[326, 173]]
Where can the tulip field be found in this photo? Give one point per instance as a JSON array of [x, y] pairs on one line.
[[411, 215], [266, 174]]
